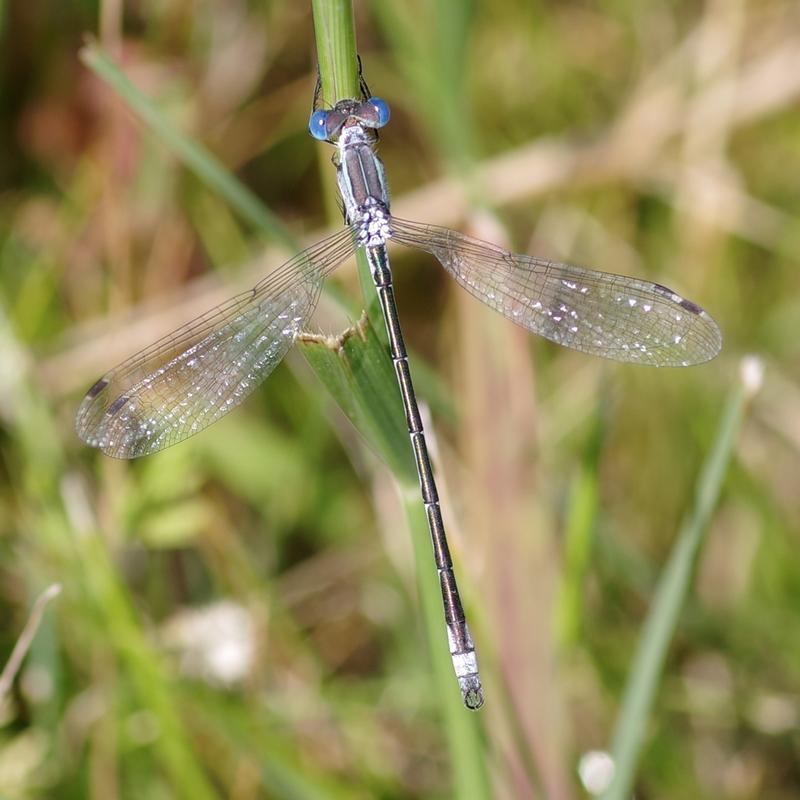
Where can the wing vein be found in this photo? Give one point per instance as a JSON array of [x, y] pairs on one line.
[[600, 313], [191, 377]]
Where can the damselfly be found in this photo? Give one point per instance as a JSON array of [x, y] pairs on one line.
[[192, 377]]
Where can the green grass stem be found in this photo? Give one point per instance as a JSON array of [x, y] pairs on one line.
[[337, 58], [672, 590], [379, 408]]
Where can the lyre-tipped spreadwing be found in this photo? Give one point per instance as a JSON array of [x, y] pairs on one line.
[[193, 376]]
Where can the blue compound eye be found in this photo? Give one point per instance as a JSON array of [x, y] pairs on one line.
[[381, 109], [318, 125]]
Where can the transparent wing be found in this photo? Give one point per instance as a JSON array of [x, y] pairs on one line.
[[190, 378], [607, 315]]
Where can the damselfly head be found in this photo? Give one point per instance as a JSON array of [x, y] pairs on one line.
[[326, 125]]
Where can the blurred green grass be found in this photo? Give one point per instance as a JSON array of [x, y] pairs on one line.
[[657, 139]]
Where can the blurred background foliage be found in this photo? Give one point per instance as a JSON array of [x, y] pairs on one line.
[[239, 615]]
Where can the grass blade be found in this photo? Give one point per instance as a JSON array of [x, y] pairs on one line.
[[356, 371], [23, 643], [579, 537], [672, 590], [193, 155]]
